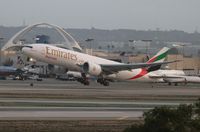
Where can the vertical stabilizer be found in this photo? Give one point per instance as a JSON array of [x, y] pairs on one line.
[[160, 56]]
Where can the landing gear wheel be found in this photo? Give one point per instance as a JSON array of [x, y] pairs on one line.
[[106, 83], [31, 84], [103, 81], [86, 83], [83, 81]]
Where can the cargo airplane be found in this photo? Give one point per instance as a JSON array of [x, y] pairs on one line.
[[92, 65]]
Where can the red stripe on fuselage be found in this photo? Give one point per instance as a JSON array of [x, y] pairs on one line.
[[142, 73]]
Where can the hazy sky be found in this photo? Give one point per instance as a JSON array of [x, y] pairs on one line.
[[104, 14]]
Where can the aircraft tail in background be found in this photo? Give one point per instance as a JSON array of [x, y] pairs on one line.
[[160, 56]]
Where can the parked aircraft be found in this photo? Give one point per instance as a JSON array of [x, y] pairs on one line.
[[172, 76], [17, 74], [7, 70], [95, 66]]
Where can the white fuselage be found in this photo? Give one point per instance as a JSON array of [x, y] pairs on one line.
[[157, 76], [172, 76], [72, 60]]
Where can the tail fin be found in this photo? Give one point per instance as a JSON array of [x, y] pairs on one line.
[[160, 56]]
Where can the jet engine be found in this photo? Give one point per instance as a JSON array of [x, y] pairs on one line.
[[92, 68]]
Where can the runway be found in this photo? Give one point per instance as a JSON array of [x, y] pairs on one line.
[[34, 109], [69, 115], [119, 90], [62, 100]]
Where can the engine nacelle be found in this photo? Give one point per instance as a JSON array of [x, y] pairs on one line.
[[92, 68]]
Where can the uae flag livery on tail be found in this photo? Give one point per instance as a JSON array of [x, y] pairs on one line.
[[160, 56]]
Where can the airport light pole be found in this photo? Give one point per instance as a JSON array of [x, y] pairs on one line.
[[147, 46], [183, 46], [198, 62], [1, 42], [89, 40], [132, 41], [180, 45], [176, 46], [183, 50]]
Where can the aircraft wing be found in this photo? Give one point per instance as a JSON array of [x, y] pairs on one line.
[[109, 69], [165, 76], [173, 77], [155, 76]]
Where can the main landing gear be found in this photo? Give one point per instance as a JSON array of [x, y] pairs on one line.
[[103, 81], [170, 83], [84, 80]]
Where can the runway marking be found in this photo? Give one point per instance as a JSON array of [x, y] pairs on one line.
[[122, 118]]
